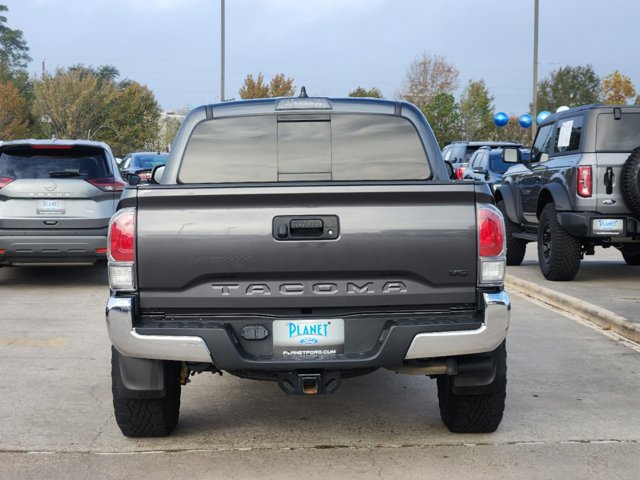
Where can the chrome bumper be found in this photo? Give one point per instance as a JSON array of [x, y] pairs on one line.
[[157, 347], [194, 349], [488, 337]]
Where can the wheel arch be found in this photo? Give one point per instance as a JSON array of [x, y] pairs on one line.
[[555, 194]]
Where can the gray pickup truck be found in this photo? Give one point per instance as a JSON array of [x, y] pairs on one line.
[[305, 241]]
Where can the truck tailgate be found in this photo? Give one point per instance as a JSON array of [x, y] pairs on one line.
[[216, 248]]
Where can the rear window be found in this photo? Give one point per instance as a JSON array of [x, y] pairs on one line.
[[32, 163], [148, 161], [272, 148], [621, 135]]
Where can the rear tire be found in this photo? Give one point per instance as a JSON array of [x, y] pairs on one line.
[[559, 253], [147, 417], [516, 247], [631, 254], [631, 182], [475, 413]]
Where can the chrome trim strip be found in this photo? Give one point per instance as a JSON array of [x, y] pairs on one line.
[[488, 337], [158, 347]]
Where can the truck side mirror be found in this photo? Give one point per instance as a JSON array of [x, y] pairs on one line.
[[156, 174]]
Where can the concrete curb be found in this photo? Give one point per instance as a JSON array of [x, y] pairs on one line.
[[603, 318]]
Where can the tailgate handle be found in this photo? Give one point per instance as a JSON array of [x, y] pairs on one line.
[[306, 227], [300, 227]]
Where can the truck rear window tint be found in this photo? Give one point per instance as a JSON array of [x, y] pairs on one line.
[[340, 147], [28, 163], [621, 135]]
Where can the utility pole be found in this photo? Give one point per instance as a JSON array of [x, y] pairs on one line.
[[222, 50], [534, 103]]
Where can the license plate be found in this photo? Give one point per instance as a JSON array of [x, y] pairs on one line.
[[608, 226], [51, 206], [317, 337]]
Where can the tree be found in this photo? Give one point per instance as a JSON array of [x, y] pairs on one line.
[[476, 111], [256, 88], [570, 86], [443, 115], [14, 120], [14, 52], [373, 92], [133, 122], [428, 76], [513, 132], [72, 104], [617, 89], [281, 86], [14, 56]]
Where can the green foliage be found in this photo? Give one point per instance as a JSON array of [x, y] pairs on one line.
[[14, 52], [83, 102], [570, 86], [373, 92], [14, 120], [133, 122], [443, 115], [476, 111]]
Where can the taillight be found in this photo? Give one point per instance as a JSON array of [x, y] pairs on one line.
[[491, 244], [584, 181], [459, 172], [4, 181], [107, 184], [121, 246]]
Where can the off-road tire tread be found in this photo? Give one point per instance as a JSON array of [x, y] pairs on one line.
[[516, 247], [630, 182], [566, 249], [147, 417], [478, 413]]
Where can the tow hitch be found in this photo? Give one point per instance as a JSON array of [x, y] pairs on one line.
[[297, 383]]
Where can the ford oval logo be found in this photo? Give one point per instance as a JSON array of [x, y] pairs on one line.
[[308, 341]]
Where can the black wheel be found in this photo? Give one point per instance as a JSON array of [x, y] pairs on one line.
[[147, 417], [475, 413], [631, 254], [631, 182], [516, 247], [559, 253]]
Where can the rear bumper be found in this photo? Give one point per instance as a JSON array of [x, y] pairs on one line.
[[218, 344], [43, 249], [580, 224]]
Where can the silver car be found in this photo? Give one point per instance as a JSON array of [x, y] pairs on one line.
[[56, 199]]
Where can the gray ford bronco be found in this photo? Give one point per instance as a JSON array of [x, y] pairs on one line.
[[305, 241], [579, 190]]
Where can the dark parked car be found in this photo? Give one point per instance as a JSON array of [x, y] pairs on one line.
[[489, 165], [459, 153], [56, 199], [141, 164]]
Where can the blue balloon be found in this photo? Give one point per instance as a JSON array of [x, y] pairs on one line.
[[542, 116], [525, 120], [500, 119]]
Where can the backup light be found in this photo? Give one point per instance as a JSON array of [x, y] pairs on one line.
[[491, 245], [121, 250], [584, 181]]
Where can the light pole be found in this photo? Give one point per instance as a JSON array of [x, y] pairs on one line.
[[534, 104], [222, 50]]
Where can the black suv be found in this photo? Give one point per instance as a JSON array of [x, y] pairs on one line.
[[581, 189], [489, 165]]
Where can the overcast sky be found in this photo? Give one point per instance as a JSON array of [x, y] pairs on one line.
[[330, 46]]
